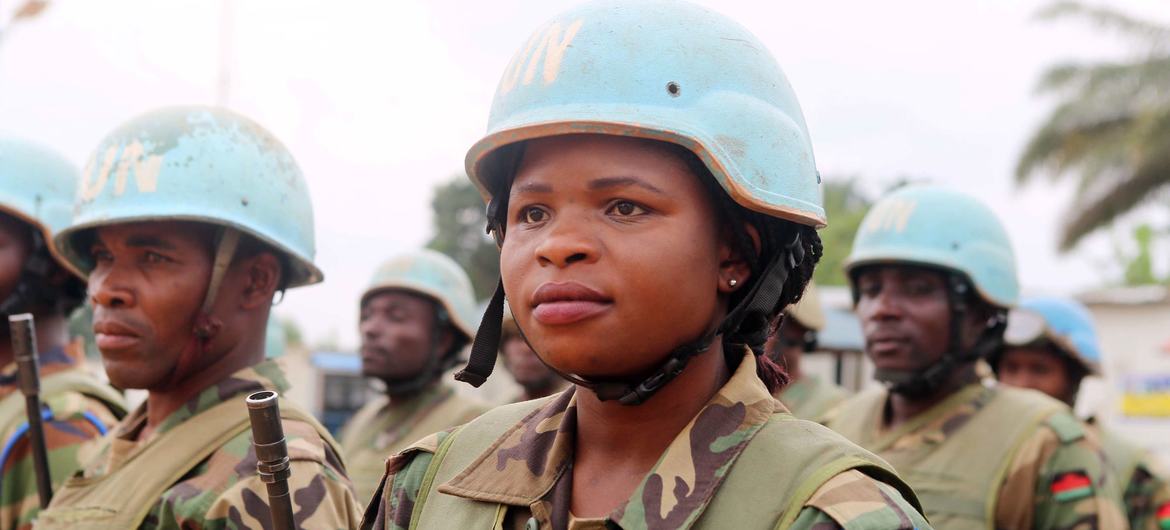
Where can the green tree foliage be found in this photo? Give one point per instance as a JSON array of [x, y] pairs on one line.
[[1110, 130], [1138, 266], [459, 224], [845, 205]]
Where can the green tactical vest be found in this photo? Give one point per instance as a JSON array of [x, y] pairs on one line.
[[12, 413], [787, 459], [959, 478], [122, 499], [366, 462]]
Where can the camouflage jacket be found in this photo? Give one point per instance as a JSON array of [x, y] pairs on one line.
[[528, 472], [77, 419], [223, 491], [810, 397], [1055, 478], [382, 428], [1146, 489]]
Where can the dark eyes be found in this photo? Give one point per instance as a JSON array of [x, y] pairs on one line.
[[533, 214], [626, 209], [618, 208]]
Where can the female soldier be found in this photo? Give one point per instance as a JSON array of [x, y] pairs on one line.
[[651, 184]]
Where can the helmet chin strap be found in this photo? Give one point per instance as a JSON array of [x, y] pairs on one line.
[[753, 309], [206, 326], [927, 381]]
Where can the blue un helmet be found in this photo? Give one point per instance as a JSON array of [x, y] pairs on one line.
[[662, 70], [941, 228], [1064, 323], [36, 187], [206, 165]]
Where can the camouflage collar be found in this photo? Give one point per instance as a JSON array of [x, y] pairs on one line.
[[530, 465], [51, 361], [267, 375]]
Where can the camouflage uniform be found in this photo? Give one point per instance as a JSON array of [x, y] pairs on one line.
[[1054, 478], [382, 428], [223, 490], [1146, 492], [811, 397], [528, 472], [78, 418]]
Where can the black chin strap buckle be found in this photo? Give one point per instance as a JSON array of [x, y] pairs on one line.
[[649, 386]]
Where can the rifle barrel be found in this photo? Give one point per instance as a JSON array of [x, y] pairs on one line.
[[272, 461], [24, 347]]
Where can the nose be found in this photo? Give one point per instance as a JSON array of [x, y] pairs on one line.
[[107, 290], [568, 241], [883, 305]]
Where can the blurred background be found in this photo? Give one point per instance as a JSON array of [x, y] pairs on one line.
[[1055, 114]]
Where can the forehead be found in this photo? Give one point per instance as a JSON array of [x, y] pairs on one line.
[[13, 227], [585, 155], [899, 272], [173, 234], [1038, 353], [401, 298]]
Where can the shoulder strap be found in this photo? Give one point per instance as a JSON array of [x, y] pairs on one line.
[[83, 383], [124, 498], [429, 477]]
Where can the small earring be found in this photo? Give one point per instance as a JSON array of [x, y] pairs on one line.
[[732, 282]]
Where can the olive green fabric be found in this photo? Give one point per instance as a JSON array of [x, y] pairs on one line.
[[741, 462], [122, 500], [811, 397], [382, 428], [961, 454]]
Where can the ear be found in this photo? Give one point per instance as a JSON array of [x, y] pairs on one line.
[[261, 279], [734, 268], [446, 340]]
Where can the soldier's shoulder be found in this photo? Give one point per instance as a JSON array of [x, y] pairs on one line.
[[1056, 418], [855, 501]]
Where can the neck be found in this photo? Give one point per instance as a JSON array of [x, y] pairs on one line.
[[544, 389], [634, 437], [161, 403], [792, 366], [400, 396], [902, 408], [52, 332]]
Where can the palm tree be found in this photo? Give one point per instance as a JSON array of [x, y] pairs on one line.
[[1111, 128]]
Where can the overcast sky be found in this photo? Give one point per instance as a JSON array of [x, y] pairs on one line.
[[380, 100]]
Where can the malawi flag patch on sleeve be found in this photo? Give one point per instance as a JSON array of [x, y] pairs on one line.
[[1071, 486], [1163, 516]]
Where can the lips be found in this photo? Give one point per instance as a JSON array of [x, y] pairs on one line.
[[114, 336], [559, 303]]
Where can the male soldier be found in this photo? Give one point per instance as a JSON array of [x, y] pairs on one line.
[[806, 396], [416, 318], [188, 221], [1051, 345], [36, 193], [933, 275], [536, 380]]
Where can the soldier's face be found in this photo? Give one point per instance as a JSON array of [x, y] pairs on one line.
[[397, 330], [787, 342], [15, 246], [148, 283], [905, 316], [611, 257], [1037, 368]]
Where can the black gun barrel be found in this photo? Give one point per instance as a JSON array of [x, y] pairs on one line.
[[24, 347], [272, 462]]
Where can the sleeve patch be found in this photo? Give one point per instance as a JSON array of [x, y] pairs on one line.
[[1071, 486], [1163, 516]]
